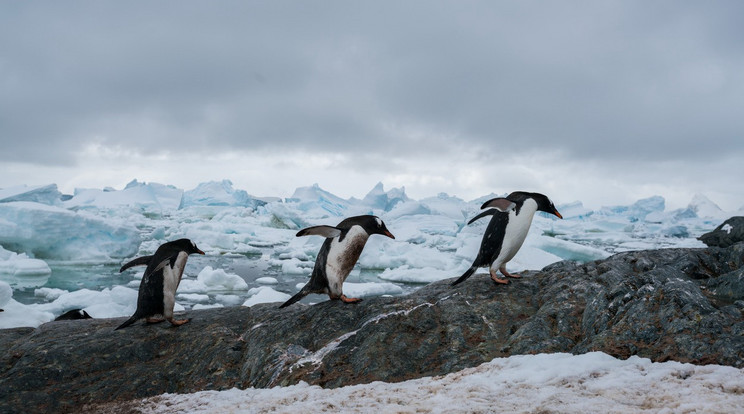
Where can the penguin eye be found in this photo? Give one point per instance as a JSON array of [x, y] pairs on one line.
[[379, 222]]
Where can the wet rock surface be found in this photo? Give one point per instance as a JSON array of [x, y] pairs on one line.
[[727, 234], [672, 304]]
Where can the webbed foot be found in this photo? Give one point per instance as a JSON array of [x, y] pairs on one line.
[[350, 300], [497, 279], [502, 269]]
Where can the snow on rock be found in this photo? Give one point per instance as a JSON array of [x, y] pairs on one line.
[[593, 382], [44, 194], [265, 294], [51, 232]]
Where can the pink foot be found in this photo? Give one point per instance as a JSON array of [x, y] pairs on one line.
[[497, 279], [507, 274], [349, 300], [178, 322]]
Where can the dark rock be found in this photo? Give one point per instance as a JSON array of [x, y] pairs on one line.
[[672, 304], [727, 234]]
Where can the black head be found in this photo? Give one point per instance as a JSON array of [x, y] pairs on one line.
[[543, 202], [371, 224], [184, 245]]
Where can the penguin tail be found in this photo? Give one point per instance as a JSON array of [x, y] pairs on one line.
[[465, 275], [129, 321], [299, 295]]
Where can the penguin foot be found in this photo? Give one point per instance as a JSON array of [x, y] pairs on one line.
[[350, 300], [507, 274], [154, 320], [178, 322], [497, 279]]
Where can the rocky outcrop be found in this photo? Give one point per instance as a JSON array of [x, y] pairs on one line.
[[727, 234], [680, 304]]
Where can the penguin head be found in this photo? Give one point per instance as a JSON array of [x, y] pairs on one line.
[[186, 245], [543, 202], [379, 228], [370, 224]]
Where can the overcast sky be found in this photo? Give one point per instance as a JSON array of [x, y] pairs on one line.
[[600, 101]]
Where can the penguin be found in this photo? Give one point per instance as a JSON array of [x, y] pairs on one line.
[[157, 291], [512, 217], [338, 255], [72, 315]]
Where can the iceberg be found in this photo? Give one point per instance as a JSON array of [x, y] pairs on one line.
[[265, 294], [23, 271], [50, 232], [219, 193], [704, 208], [638, 210], [213, 280], [6, 293], [314, 199], [149, 197], [44, 194], [378, 199]]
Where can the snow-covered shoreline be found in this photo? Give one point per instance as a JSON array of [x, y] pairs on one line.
[[593, 382]]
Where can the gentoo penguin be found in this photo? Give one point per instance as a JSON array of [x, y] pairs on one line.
[[507, 230], [157, 291], [72, 315], [337, 256]]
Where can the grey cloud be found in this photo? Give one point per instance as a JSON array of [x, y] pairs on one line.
[[600, 80]]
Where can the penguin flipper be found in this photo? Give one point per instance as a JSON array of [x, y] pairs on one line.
[[325, 231], [500, 203], [464, 276], [140, 261], [489, 212]]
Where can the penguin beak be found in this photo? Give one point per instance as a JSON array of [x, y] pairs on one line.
[[199, 251], [557, 214], [387, 233]]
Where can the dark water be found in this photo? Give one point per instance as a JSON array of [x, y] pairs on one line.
[[72, 277]]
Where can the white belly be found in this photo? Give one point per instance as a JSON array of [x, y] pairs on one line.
[[516, 233], [342, 256], [171, 279]]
